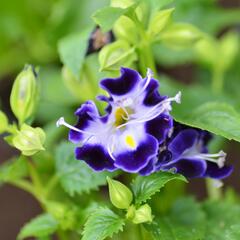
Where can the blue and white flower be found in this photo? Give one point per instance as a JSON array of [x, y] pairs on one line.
[[137, 121]]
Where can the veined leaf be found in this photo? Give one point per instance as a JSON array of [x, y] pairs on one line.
[[146, 186], [41, 226], [101, 224], [76, 176]]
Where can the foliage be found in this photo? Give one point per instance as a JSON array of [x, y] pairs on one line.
[[92, 40]]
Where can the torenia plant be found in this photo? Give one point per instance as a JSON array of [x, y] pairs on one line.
[[135, 139]]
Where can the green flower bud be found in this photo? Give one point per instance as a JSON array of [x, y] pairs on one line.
[[159, 21], [3, 122], [24, 94], [143, 214], [131, 212], [180, 35], [120, 196], [125, 29], [29, 140], [115, 55]]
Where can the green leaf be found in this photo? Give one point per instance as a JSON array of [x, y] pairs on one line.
[[223, 221], [41, 226], [13, 170], [106, 17], [146, 186], [216, 117], [214, 113], [72, 50], [101, 224], [76, 176], [186, 221]]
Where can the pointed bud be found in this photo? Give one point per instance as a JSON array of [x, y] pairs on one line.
[[120, 196], [3, 122], [143, 214], [29, 140], [24, 94]]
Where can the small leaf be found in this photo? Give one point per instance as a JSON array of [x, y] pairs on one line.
[[41, 226], [101, 224], [186, 221], [145, 187], [72, 50], [107, 16], [223, 221], [76, 176]]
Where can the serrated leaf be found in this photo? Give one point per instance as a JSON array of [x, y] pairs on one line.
[[223, 221], [41, 226], [76, 176], [146, 186], [216, 117], [186, 221], [72, 50], [214, 113], [13, 170], [107, 16], [101, 224]]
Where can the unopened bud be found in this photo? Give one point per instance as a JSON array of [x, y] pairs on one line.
[[120, 196], [24, 94], [143, 214], [29, 140]]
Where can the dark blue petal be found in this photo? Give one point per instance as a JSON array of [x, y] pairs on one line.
[[133, 161], [190, 168], [159, 127], [213, 171], [152, 95], [128, 80], [95, 156], [164, 159], [183, 141], [85, 114], [150, 168]]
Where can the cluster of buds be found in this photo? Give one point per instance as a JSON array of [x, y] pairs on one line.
[[121, 197]]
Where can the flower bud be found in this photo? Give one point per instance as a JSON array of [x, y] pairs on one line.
[[120, 196], [180, 35], [24, 94], [143, 214], [159, 21], [3, 122], [116, 54], [29, 140]]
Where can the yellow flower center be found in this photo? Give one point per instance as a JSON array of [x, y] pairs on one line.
[[120, 117], [130, 141]]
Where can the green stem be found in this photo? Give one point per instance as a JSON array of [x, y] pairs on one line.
[[51, 184], [214, 193], [217, 81]]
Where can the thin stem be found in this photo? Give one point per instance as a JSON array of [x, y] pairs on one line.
[[52, 183], [214, 193], [217, 81]]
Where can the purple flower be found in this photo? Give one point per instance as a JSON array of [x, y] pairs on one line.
[[186, 153], [136, 122]]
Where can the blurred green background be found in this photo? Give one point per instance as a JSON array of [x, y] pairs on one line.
[[29, 33]]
